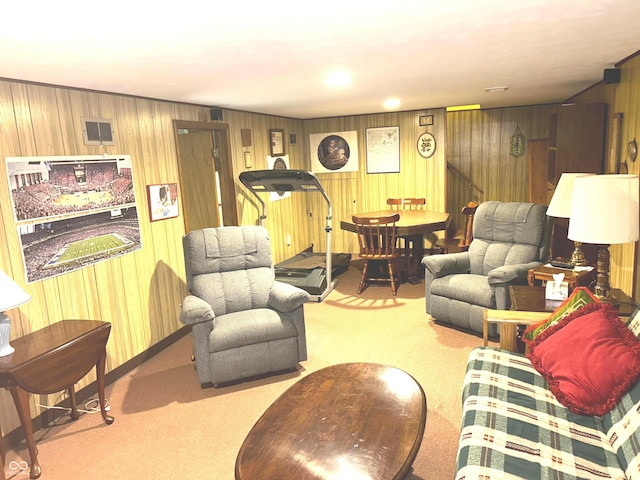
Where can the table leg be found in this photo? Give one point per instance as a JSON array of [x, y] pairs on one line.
[[21, 399], [508, 337], [100, 366], [2, 457], [72, 398], [413, 257]]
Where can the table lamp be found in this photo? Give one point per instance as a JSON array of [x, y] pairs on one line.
[[604, 211], [560, 207], [11, 296]]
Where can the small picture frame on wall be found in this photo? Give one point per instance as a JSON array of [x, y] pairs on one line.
[[163, 201], [276, 141], [426, 120]]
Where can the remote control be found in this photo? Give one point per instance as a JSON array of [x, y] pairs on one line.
[[562, 263]]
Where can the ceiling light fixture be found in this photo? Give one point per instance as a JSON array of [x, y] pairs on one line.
[[458, 108], [338, 79], [391, 103], [496, 89]]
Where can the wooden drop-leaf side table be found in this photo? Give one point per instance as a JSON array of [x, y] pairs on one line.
[[50, 360]]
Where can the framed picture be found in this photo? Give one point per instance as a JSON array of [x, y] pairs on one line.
[[334, 152], [383, 150], [426, 145], [426, 120], [88, 215], [245, 135], [276, 141], [163, 201]]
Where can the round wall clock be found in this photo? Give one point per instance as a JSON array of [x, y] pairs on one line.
[[632, 150], [426, 145]]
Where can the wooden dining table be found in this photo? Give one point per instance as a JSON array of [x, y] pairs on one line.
[[413, 225]]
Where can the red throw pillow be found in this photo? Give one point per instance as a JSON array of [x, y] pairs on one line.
[[589, 358]]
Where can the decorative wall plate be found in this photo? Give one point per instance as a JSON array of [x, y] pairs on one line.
[[426, 145], [632, 150]]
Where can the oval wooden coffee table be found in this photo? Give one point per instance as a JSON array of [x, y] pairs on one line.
[[351, 420]]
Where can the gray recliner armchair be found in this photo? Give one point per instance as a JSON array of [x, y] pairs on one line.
[[244, 322], [508, 240]]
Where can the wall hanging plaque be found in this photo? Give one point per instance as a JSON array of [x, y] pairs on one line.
[[517, 143], [426, 145]]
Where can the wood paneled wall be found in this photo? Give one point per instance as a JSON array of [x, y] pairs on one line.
[[353, 192], [139, 293], [623, 98], [303, 216], [479, 146], [285, 216]]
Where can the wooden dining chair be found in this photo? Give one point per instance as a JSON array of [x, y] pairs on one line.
[[462, 239], [377, 240], [406, 203]]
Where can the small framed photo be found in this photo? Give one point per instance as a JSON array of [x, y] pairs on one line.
[[163, 201], [426, 120], [276, 141]]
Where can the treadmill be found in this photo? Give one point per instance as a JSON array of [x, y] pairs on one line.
[[313, 272]]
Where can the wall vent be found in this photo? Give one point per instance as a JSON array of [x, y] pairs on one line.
[[97, 131]]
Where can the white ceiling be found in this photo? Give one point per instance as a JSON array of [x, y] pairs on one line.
[[272, 56]]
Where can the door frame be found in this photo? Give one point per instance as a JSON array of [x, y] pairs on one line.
[[227, 180]]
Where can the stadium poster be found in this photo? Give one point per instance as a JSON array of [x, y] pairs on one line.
[[72, 212]]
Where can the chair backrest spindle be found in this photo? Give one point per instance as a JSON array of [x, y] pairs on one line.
[[377, 235]]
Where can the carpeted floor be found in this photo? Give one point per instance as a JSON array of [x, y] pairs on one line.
[[167, 427]]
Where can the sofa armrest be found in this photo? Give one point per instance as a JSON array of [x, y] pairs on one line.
[[507, 274], [195, 310], [284, 297], [447, 264]]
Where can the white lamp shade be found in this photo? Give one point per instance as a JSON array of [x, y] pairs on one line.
[[11, 295], [604, 209], [560, 204]]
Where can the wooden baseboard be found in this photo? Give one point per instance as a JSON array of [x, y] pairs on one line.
[[13, 438]]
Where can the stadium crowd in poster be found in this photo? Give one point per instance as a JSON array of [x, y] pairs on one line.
[[72, 212]]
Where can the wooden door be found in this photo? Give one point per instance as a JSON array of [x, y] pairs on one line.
[[207, 188], [537, 163]]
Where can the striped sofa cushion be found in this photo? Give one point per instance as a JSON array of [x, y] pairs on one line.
[[622, 424], [514, 428]]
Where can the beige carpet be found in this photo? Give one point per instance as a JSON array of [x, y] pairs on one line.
[[167, 427]]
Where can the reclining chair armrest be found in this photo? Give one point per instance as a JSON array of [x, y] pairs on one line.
[[195, 310], [284, 297], [447, 264], [506, 274]]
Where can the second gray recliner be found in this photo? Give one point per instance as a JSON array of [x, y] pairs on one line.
[[508, 239]]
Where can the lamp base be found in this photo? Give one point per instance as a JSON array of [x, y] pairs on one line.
[[602, 290], [577, 256], [5, 335], [610, 299]]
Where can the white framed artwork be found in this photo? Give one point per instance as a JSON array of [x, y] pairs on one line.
[[383, 150]]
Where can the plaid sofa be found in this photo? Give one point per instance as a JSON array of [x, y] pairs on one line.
[[514, 428]]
